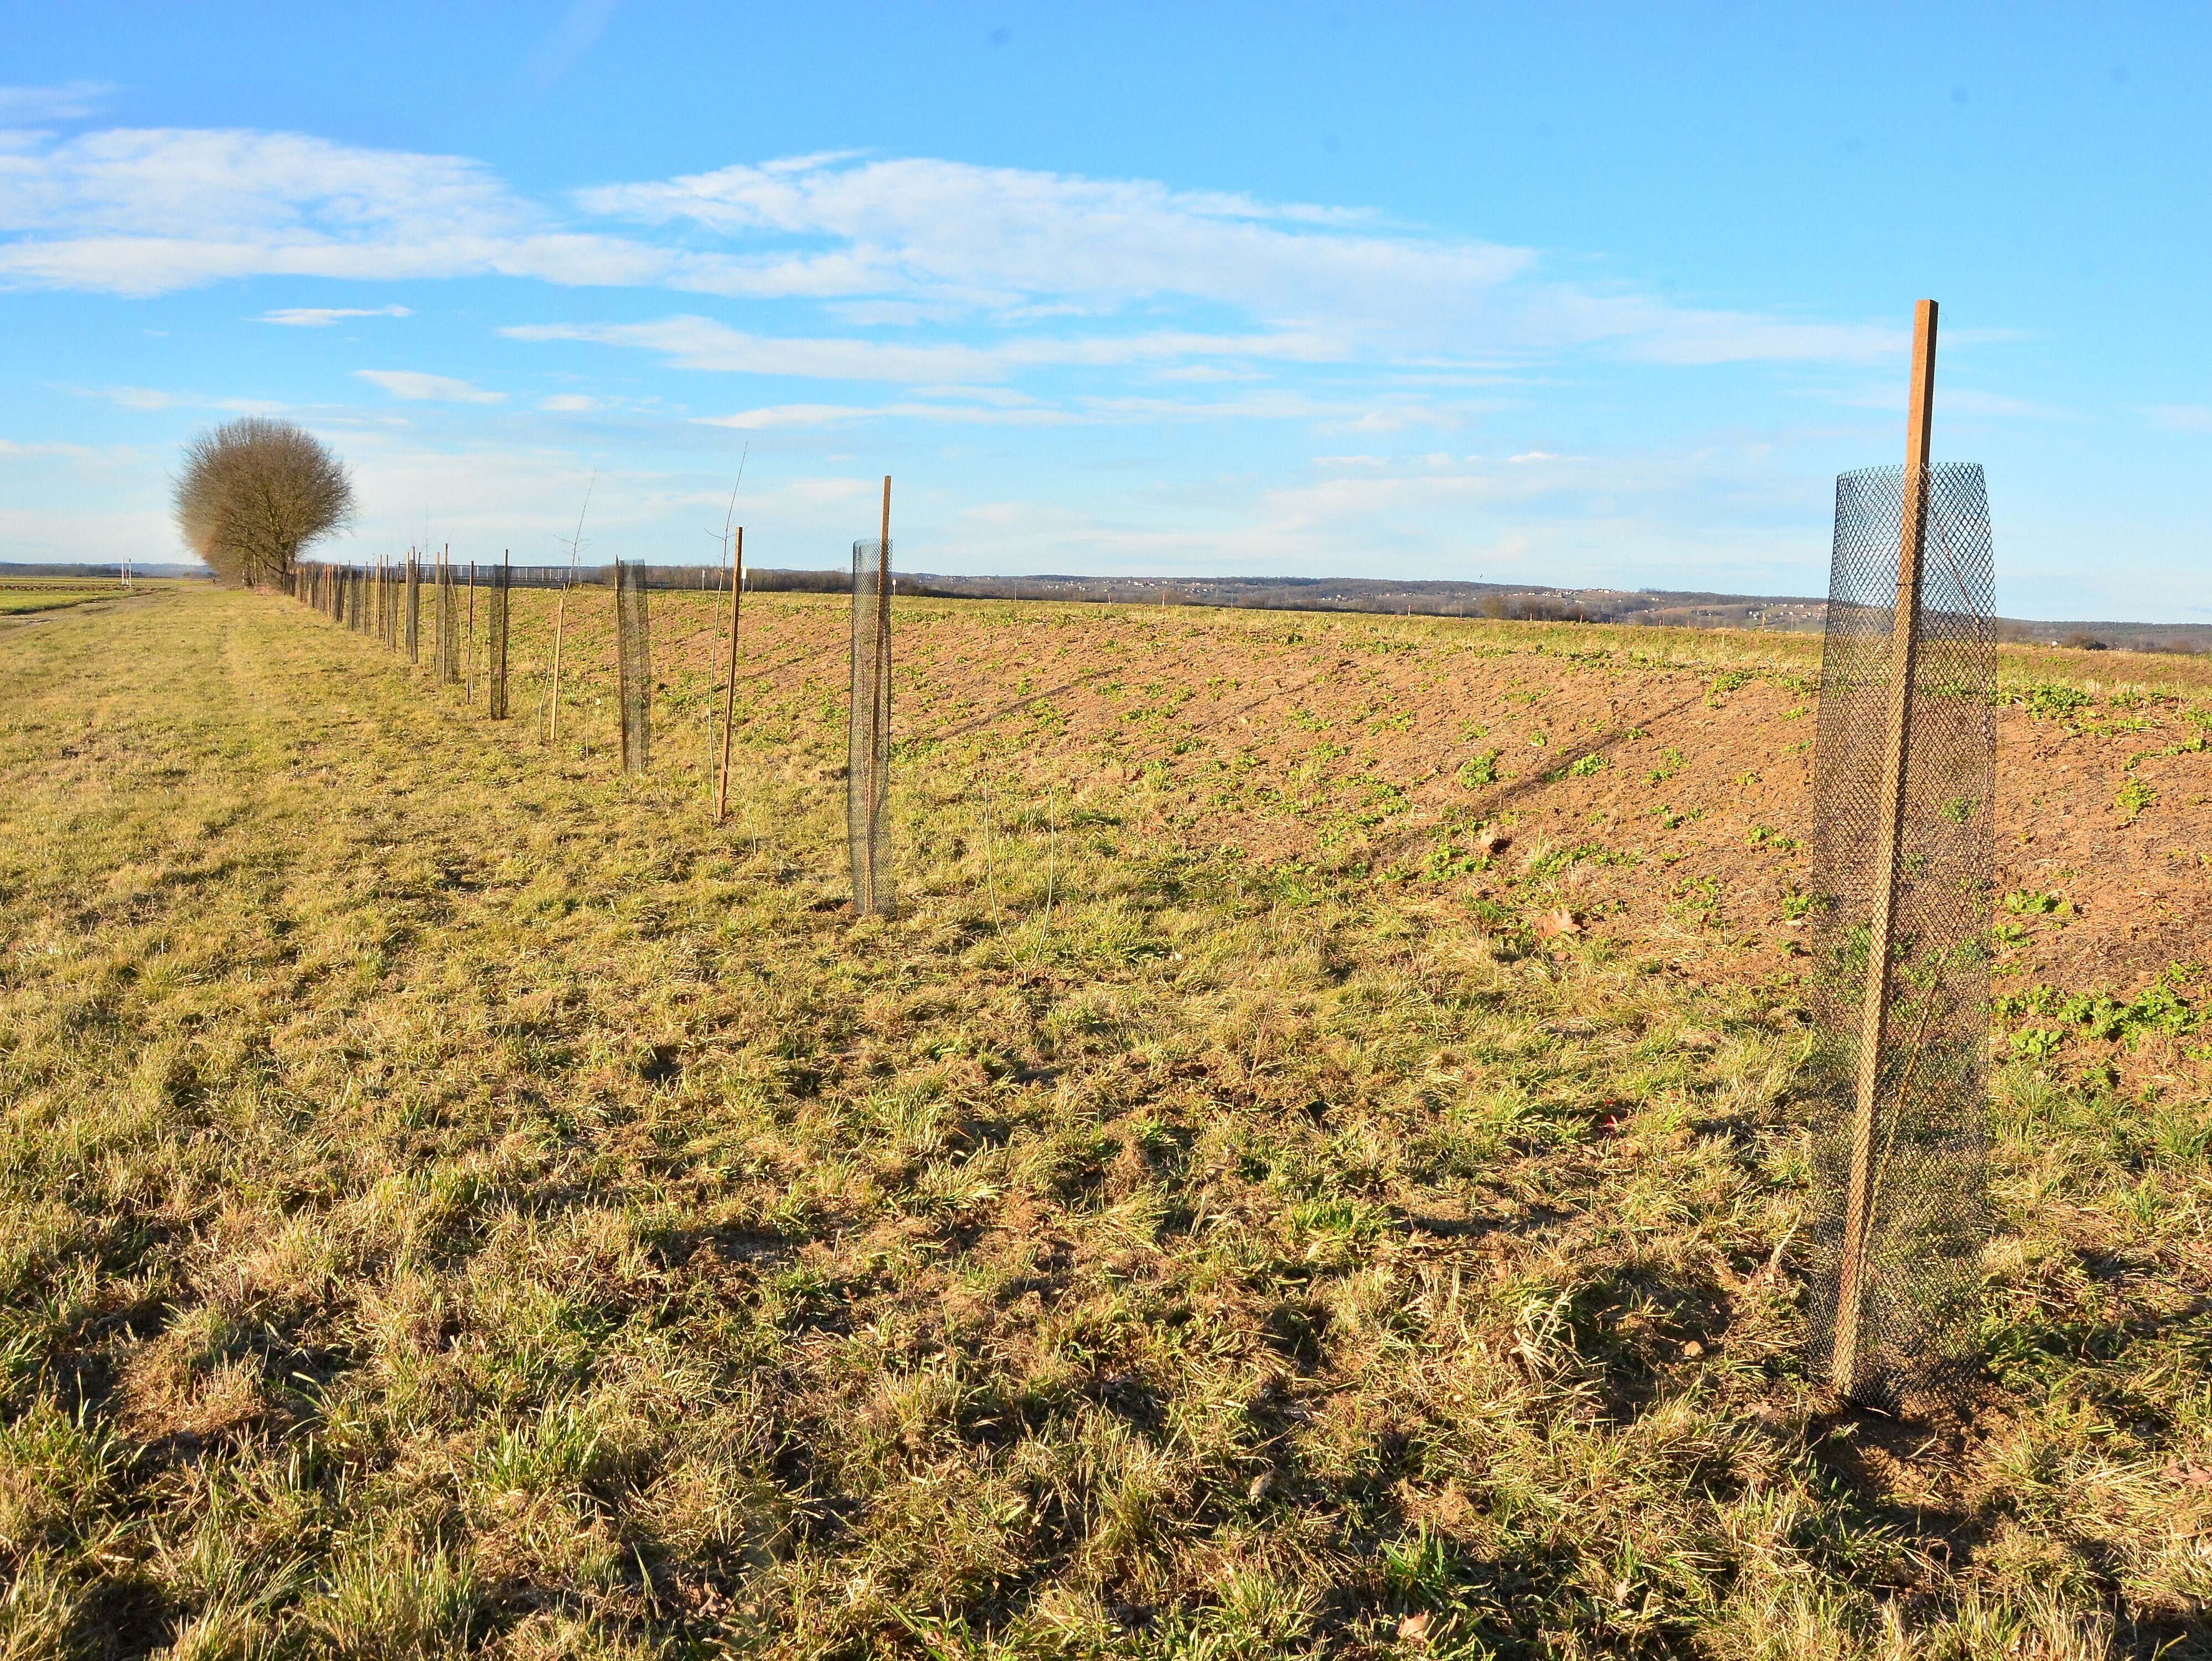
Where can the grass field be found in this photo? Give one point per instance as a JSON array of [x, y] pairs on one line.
[[458, 1200], [27, 596]]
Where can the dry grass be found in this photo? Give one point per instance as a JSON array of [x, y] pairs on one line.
[[457, 1202]]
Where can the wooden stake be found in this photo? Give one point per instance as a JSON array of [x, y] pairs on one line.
[[880, 717], [730, 686], [469, 675], [1874, 1016]]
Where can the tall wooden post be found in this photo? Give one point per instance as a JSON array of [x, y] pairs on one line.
[[1873, 1018], [730, 687]]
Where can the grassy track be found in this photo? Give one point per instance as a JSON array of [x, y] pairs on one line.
[[457, 1201]]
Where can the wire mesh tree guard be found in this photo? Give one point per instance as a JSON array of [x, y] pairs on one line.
[[633, 666], [495, 644], [1904, 863], [449, 625], [868, 739]]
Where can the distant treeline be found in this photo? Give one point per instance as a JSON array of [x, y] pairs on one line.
[[1652, 608], [100, 573], [1407, 598]]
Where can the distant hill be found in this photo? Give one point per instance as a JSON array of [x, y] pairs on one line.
[[1659, 608], [1656, 607]]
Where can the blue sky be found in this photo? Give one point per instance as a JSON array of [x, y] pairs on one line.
[[1559, 294]]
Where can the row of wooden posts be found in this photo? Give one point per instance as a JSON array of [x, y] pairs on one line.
[[1870, 1338], [384, 599]]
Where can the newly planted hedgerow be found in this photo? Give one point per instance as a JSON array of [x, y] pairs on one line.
[[458, 1200]]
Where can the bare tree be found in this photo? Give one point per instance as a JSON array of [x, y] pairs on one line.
[[254, 492]]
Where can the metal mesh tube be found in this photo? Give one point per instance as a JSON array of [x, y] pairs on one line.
[[1900, 1215], [495, 645], [634, 666], [449, 633], [868, 751], [414, 609]]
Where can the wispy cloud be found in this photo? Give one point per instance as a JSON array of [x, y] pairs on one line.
[[1953, 401], [73, 100], [581, 23], [417, 387], [144, 212], [834, 415], [1997, 407], [137, 398], [9, 448], [2182, 418], [948, 232], [791, 416], [1344, 414], [1045, 267], [151, 398], [700, 342], [321, 317]]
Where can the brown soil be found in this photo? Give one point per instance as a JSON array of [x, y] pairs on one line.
[[1660, 777]]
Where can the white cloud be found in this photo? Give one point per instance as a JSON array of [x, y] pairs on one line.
[[832, 415], [927, 229], [789, 415], [1023, 243], [1335, 415], [153, 399], [138, 398], [1574, 519], [143, 212], [10, 447], [321, 317], [1029, 260], [73, 100], [417, 387], [568, 403], [2182, 418], [700, 342]]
